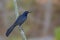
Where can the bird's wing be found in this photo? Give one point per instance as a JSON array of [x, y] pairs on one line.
[[20, 20]]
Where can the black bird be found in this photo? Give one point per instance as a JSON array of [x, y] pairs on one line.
[[20, 20]]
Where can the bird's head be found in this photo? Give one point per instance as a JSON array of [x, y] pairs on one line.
[[27, 12]]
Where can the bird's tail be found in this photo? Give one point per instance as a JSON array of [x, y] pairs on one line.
[[10, 30]]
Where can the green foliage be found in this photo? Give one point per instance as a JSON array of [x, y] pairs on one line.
[[15, 38], [10, 5], [57, 33], [25, 4]]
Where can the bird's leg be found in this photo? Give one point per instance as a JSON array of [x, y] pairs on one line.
[[22, 33]]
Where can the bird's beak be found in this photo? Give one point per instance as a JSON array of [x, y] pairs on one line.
[[30, 11]]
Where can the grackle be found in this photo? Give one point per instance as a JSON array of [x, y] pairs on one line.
[[20, 20]]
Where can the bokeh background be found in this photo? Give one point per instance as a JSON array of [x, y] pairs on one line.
[[36, 22]]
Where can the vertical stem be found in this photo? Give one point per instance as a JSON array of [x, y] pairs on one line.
[[16, 8], [48, 16], [17, 14], [22, 33]]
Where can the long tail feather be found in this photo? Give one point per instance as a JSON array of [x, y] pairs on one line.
[[10, 30]]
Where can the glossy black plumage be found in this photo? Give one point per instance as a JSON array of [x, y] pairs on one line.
[[20, 20]]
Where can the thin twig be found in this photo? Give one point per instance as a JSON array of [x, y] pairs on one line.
[[17, 14]]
